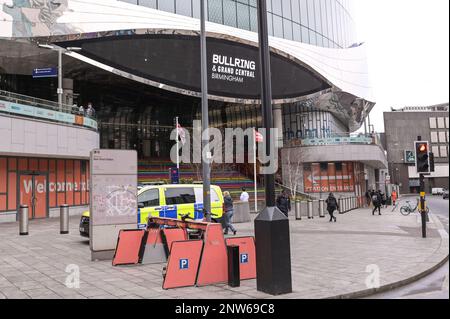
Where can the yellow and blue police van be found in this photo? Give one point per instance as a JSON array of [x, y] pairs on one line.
[[171, 201]]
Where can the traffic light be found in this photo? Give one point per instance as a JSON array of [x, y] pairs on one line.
[[431, 155], [422, 157]]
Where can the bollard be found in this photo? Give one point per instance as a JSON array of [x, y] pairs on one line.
[[23, 220], [303, 208], [316, 208], [64, 219], [298, 212], [310, 209], [322, 208], [341, 206], [233, 266]]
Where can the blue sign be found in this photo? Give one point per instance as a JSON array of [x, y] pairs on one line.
[[45, 73], [244, 258], [174, 176], [184, 263]]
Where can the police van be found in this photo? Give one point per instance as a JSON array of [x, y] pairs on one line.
[[171, 201]]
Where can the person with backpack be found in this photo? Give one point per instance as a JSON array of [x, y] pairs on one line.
[[376, 200], [332, 205], [284, 203], [228, 214]]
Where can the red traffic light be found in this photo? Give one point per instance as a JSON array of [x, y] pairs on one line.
[[422, 147]]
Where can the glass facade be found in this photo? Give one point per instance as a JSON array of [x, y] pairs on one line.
[[326, 23]]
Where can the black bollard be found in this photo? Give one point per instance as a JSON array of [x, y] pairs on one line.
[[234, 273], [273, 252]]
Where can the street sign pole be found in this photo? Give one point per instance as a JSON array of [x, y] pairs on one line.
[[273, 252], [205, 121], [423, 211], [60, 76]]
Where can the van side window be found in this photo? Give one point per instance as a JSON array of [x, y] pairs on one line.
[[149, 198], [176, 196]]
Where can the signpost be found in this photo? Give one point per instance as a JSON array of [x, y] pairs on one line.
[[45, 73], [113, 199]]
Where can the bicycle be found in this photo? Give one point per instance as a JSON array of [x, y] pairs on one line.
[[407, 209]]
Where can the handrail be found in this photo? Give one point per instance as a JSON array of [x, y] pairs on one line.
[[38, 102]]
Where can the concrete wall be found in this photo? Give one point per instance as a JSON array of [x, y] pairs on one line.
[[30, 137]]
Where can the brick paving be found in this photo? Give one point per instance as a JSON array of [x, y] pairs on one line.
[[328, 260]]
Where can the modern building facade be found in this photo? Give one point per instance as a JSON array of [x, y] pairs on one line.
[[402, 128], [138, 63]]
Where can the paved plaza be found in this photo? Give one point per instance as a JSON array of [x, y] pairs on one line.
[[329, 260]]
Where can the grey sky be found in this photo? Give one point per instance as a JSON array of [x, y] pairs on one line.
[[408, 52]]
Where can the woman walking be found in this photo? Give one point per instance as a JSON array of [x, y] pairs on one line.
[[332, 205], [228, 214]]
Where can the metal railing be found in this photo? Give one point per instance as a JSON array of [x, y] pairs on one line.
[[29, 101], [334, 139]]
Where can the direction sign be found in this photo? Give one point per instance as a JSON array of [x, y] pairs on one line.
[[45, 73]]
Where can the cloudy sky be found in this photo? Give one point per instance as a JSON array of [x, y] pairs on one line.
[[408, 52]]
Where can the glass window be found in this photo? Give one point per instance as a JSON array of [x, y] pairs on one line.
[[215, 11], [443, 151], [149, 198], [199, 195], [323, 13], [432, 122], [286, 4], [254, 20], [442, 137], [287, 27], [305, 35], [312, 37], [297, 33], [183, 7], [295, 10], [446, 122], [304, 12], [311, 17], [167, 5], [196, 9], [148, 3], [434, 137], [277, 26], [270, 23], [276, 7], [441, 122], [435, 150], [229, 13], [183, 195], [243, 16], [130, 1], [318, 17]]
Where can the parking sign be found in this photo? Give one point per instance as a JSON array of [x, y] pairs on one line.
[[184, 263], [244, 258]]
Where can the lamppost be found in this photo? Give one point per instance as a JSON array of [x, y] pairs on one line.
[[60, 75]]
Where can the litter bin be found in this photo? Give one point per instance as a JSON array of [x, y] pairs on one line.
[[23, 220]]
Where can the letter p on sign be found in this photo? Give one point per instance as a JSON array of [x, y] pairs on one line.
[[184, 263], [244, 258]]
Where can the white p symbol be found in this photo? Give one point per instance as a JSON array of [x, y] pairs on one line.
[[73, 279], [373, 279]]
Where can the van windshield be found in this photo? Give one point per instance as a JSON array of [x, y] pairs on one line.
[[176, 196]]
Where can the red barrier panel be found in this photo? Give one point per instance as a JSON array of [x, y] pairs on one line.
[[154, 251], [214, 265], [182, 265], [247, 256], [173, 234], [129, 246]]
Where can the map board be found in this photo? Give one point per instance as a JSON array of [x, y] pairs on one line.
[[113, 204]]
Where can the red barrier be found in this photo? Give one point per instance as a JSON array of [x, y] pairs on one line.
[[154, 251], [183, 264], [129, 246], [173, 234], [214, 265], [247, 256]]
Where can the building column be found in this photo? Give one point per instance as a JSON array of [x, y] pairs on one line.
[[68, 91], [278, 123]]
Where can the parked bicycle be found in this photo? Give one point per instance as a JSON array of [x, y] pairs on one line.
[[408, 209]]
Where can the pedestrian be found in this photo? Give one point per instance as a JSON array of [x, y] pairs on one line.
[[244, 195], [368, 199], [376, 201], [394, 197], [228, 207], [82, 110], [284, 203], [383, 199], [332, 205], [90, 110]]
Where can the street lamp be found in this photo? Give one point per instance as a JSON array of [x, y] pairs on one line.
[[60, 76]]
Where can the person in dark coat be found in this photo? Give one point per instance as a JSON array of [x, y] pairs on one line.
[[284, 203], [332, 205], [376, 200], [228, 213]]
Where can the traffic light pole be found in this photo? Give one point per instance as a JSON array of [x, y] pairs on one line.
[[423, 211]]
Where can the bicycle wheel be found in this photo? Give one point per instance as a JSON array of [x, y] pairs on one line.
[[405, 211]]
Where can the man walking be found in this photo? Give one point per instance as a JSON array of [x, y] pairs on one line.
[[332, 205], [376, 200], [284, 203], [228, 214]]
